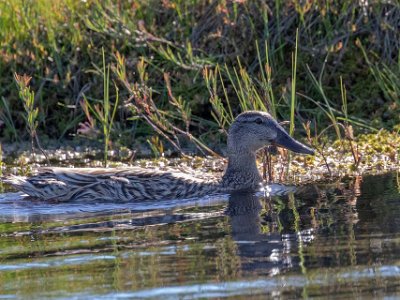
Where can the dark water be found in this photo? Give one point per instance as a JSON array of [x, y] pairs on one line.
[[332, 240]]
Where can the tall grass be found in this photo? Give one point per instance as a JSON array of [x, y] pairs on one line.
[[250, 91], [325, 106], [293, 96], [293, 84], [103, 111], [7, 119], [348, 129], [266, 75], [58, 42], [1, 168], [387, 77]]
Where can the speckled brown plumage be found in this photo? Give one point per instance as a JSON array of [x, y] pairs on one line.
[[249, 132], [124, 184]]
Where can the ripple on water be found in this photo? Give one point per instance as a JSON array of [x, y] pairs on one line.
[[76, 260], [252, 287], [340, 238]]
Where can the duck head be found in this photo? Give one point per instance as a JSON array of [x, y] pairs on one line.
[[253, 130]]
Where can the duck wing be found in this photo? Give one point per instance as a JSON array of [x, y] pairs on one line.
[[103, 184]]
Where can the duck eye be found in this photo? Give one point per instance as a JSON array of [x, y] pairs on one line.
[[258, 121]]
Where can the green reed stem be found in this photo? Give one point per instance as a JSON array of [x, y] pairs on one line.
[[293, 91]]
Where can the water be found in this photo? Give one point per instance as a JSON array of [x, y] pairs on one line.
[[338, 239]]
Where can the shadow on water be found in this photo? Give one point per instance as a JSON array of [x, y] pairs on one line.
[[342, 238]]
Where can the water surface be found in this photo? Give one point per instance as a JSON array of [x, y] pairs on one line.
[[339, 239]]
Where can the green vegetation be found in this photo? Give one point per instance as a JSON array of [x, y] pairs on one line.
[[102, 113], [31, 112], [183, 69]]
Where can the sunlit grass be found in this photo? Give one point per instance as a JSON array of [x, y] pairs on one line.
[[184, 69], [104, 111], [27, 97]]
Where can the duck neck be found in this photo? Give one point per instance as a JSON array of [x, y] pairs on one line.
[[241, 172]]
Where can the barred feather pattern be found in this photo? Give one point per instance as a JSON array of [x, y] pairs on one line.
[[122, 184]]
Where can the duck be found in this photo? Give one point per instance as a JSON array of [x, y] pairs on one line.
[[248, 133]]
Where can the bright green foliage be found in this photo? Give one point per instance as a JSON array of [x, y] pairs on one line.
[[28, 99], [103, 112], [228, 55]]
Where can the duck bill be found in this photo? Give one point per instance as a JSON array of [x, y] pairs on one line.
[[284, 140]]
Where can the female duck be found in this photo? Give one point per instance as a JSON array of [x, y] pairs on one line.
[[249, 132]]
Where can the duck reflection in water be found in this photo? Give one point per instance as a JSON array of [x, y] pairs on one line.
[[259, 248], [278, 234]]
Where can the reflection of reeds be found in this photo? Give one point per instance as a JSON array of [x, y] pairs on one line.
[[227, 260], [115, 254]]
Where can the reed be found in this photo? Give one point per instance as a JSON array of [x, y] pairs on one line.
[[105, 111], [252, 92], [325, 106], [293, 84], [387, 77], [11, 131], [292, 99], [348, 128]]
